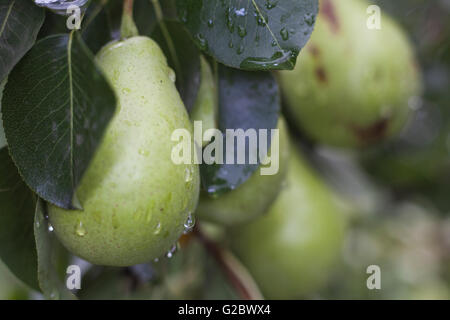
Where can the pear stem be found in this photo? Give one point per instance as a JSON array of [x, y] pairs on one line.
[[128, 28], [236, 273]]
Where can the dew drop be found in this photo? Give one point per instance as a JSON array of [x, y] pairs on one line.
[[50, 228], [189, 224], [172, 75], [270, 4], [242, 31], [284, 34], [309, 19], [157, 229], [188, 175], [38, 224], [171, 251], [240, 49], [143, 152], [210, 23], [203, 43], [80, 230]]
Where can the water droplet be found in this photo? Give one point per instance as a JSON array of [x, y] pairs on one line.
[[80, 230], [157, 229], [188, 174], [156, 260], [50, 228], [172, 75], [270, 4], [189, 224], [171, 251], [309, 19], [143, 152], [240, 49], [242, 31], [202, 42], [38, 224], [284, 34], [210, 23]]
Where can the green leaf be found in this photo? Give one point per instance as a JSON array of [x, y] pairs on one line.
[[253, 34], [56, 107], [182, 56], [17, 204], [51, 256], [20, 22], [247, 100]]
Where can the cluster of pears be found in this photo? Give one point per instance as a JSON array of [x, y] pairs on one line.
[[353, 80], [350, 88], [136, 200]]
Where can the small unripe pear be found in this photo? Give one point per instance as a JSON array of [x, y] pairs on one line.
[[251, 199], [292, 249], [205, 107], [352, 82], [135, 199]]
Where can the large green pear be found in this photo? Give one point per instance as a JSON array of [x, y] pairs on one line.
[[293, 248], [135, 199], [352, 82], [251, 199]]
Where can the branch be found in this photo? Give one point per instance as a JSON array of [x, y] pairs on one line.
[[236, 273]]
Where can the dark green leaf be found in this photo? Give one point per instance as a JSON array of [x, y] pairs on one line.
[[20, 22], [17, 204], [56, 106], [183, 56], [247, 100], [253, 34], [51, 255]]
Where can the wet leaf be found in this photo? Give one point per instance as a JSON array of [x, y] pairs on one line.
[[247, 100], [20, 22], [251, 35], [56, 106]]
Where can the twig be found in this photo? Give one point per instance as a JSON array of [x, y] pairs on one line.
[[238, 276]]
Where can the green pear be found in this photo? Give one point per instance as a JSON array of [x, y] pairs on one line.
[[253, 197], [135, 199], [205, 107], [352, 84], [293, 248]]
